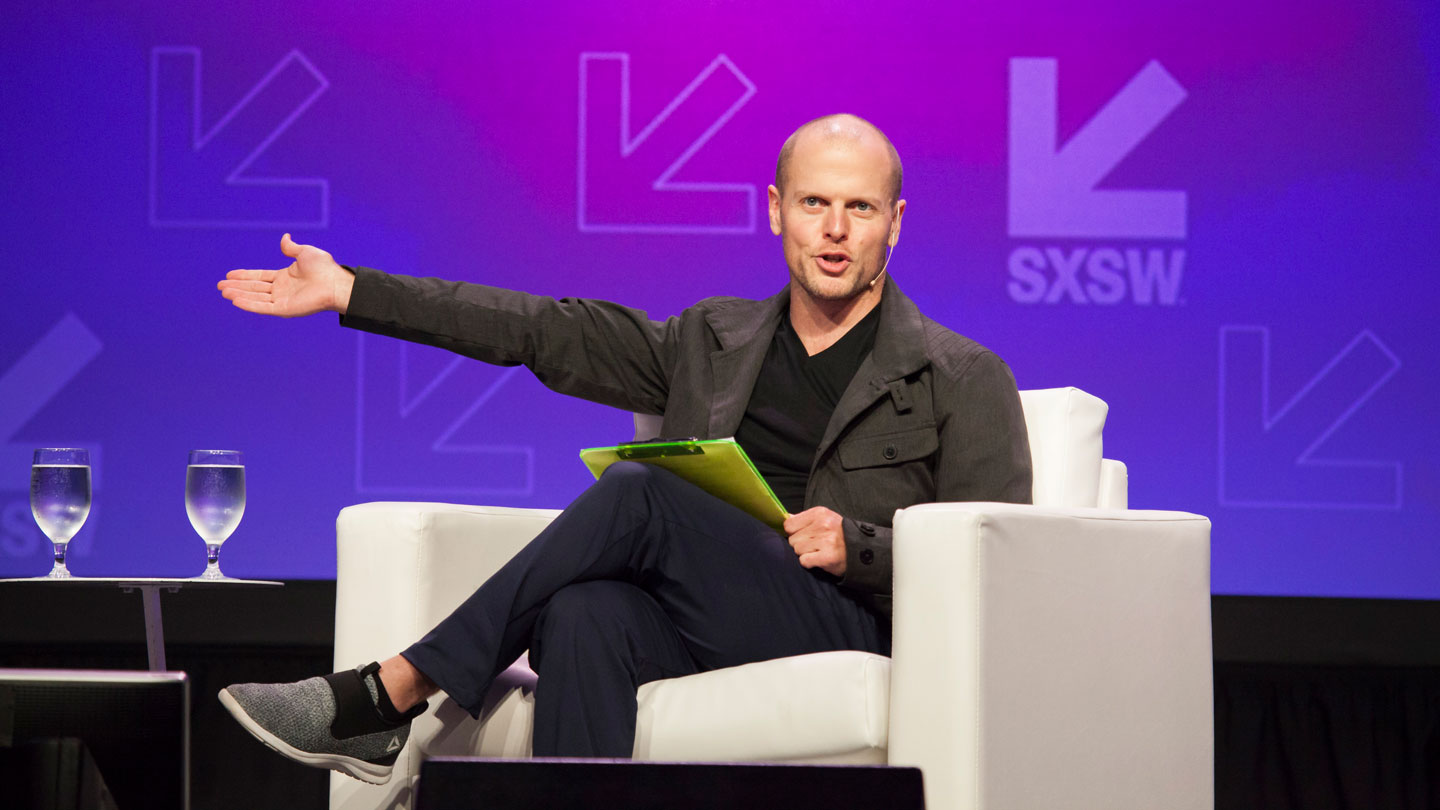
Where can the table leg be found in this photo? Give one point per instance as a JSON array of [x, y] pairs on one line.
[[154, 628]]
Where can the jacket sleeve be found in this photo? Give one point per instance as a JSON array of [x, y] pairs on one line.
[[868, 566], [984, 447], [983, 455], [590, 349]]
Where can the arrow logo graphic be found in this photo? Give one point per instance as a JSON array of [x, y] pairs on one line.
[[626, 184], [1268, 457], [199, 179], [25, 389], [1052, 191], [35, 379], [410, 405]]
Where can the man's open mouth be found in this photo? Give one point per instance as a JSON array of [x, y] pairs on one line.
[[833, 262]]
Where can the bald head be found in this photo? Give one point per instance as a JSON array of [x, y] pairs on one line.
[[841, 127]]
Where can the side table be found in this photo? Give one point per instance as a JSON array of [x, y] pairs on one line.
[[149, 588]]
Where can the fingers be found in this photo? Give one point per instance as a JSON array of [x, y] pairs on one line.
[[820, 516], [249, 304], [826, 560], [251, 275], [808, 543], [816, 552], [812, 559], [289, 247], [799, 521], [808, 555], [235, 294], [817, 536], [246, 286]]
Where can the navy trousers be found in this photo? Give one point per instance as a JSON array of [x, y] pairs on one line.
[[643, 577]]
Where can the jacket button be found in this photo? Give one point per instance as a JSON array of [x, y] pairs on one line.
[[867, 556], [889, 451], [867, 529]]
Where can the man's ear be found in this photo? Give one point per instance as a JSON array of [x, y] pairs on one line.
[[774, 196], [895, 224]]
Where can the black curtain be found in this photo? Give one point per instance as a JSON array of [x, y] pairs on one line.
[[1291, 737]]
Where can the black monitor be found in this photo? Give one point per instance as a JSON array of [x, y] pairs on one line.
[[134, 725]]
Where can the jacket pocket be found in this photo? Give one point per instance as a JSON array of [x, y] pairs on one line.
[[888, 448]]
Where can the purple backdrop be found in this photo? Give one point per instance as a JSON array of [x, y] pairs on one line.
[[1220, 219]]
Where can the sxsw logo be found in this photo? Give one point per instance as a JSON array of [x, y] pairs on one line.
[[1109, 253]]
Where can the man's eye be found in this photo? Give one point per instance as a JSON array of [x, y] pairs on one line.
[[863, 206], [811, 201]]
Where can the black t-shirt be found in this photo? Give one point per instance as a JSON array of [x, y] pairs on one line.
[[792, 402]]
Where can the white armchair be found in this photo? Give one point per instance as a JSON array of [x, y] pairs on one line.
[[1047, 656]]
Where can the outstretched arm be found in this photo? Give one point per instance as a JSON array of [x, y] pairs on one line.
[[312, 283]]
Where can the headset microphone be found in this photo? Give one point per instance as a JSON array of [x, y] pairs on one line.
[[889, 251]]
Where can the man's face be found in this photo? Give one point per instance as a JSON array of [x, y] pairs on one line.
[[835, 217]]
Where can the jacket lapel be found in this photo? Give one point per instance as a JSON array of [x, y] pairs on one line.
[[899, 351], [744, 332]]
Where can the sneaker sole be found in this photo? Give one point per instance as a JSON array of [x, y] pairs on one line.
[[352, 767]]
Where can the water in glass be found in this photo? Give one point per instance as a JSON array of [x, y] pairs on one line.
[[60, 497], [214, 500]]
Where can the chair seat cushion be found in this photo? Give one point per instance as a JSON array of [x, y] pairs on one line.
[[823, 707], [831, 707]]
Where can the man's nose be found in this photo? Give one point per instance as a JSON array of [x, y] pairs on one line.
[[837, 224]]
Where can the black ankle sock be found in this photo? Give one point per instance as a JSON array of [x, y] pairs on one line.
[[383, 704]]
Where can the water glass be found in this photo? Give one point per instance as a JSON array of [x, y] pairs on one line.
[[60, 497], [215, 500]]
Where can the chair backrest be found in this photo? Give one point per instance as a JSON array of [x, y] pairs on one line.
[[1065, 426]]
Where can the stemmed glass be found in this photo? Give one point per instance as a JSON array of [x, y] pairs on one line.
[[215, 500], [60, 497]]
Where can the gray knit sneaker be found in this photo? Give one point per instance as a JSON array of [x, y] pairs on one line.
[[327, 722]]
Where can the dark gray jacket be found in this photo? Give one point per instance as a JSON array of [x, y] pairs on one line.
[[929, 416]]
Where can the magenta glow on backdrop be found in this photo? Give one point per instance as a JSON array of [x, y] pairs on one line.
[[1220, 218]]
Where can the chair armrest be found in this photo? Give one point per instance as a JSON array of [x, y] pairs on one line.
[[402, 567], [1068, 644], [1114, 485]]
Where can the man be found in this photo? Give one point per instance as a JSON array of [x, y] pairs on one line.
[[851, 403]]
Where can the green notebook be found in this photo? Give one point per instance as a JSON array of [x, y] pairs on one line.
[[718, 466]]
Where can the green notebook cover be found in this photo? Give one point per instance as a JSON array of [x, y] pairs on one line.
[[718, 466]]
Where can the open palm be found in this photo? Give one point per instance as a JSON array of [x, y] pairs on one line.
[[312, 283]]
